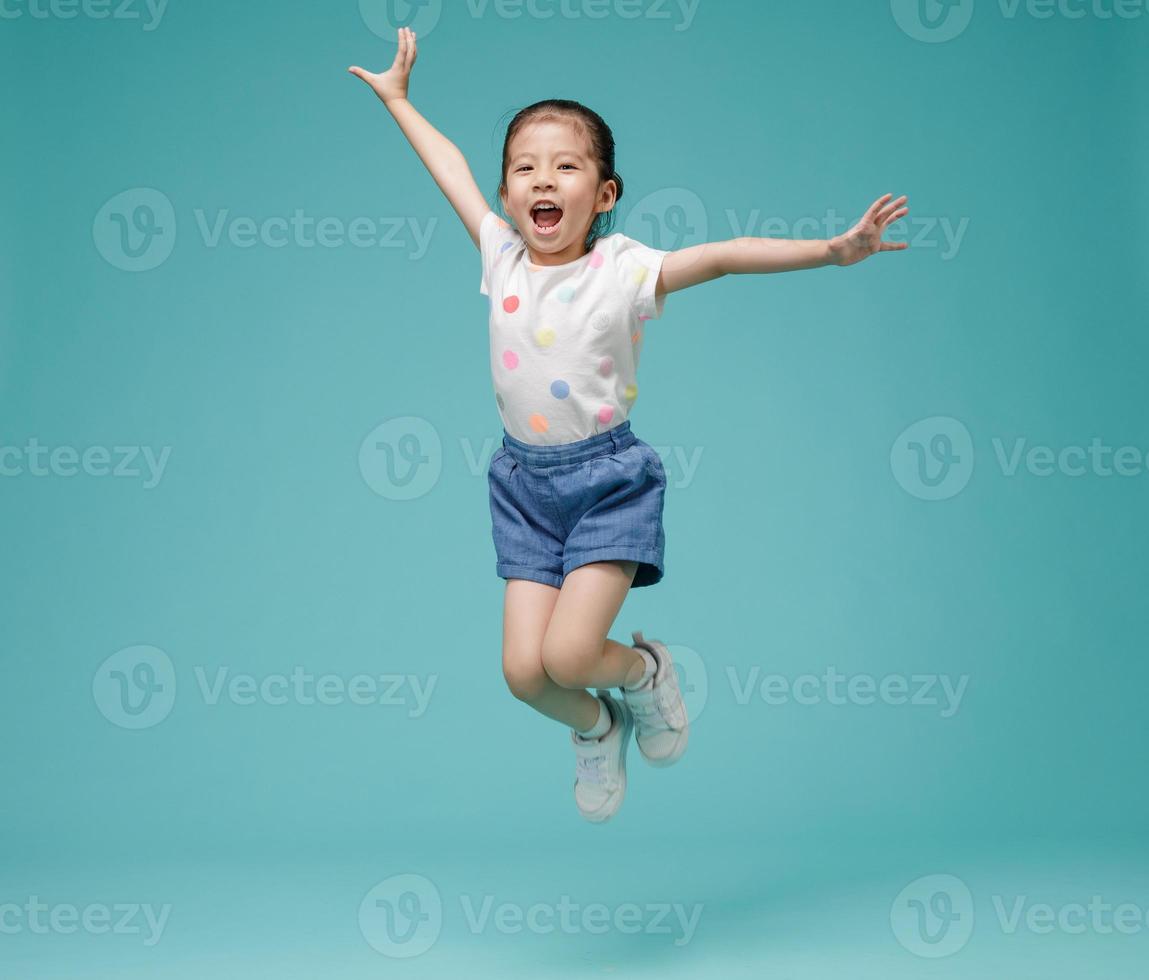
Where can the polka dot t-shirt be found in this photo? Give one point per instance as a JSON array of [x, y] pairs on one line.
[[565, 339]]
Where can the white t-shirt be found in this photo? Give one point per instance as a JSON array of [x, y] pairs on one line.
[[565, 339]]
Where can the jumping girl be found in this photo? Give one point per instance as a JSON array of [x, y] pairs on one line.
[[576, 498]]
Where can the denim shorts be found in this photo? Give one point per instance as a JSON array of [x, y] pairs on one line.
[[554, 508]]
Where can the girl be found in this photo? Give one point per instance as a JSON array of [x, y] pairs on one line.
[[576, 498]]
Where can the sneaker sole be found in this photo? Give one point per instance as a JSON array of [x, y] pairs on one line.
[[602, 816], [673, 755]]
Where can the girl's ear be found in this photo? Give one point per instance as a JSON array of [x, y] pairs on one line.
[[609, 192]]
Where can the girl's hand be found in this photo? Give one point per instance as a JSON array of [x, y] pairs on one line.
[[392, 84], [865, 238]]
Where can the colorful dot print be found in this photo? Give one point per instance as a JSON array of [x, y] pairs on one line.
[[568, 337]]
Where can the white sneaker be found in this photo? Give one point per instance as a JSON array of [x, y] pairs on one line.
[[661, 727], [600, 768]]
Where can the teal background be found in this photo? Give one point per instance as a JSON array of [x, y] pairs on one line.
[[793, 546]]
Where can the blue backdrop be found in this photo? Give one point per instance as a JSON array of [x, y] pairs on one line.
[[250, 689]]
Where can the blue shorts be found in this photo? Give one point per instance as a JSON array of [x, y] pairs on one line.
[[554, 508]]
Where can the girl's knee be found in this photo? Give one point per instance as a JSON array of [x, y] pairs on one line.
[[568, 664], [525, 677]]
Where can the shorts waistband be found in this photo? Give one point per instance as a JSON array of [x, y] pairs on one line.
[[602, 444]]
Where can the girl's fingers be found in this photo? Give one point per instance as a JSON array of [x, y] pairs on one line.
[[874, 208], [895, 216], [893, 204], [890, 214]]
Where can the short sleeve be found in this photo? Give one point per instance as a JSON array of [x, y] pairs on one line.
[[495, 238], [638, 266]]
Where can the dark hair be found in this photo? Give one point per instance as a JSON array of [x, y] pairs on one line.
[[599, 136]]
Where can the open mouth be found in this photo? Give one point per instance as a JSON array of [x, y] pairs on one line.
[[546, 219]]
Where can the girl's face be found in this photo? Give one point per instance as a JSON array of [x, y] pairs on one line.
[[550, 162]]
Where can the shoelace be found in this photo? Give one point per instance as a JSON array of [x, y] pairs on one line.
[[656, 706], [590, 769]]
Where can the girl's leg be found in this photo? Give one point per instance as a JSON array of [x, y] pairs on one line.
[[575, 650], [527, 609]]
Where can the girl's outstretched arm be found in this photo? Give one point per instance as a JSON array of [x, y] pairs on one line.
[[701, 263], [442, 158]]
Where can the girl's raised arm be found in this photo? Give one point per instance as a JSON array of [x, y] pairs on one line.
[[442, 158], [701, 263]]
